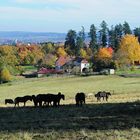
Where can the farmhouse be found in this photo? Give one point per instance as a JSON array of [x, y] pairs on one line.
[[61, 61], [72, 65]]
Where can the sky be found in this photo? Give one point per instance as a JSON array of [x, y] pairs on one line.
[[62, 15]]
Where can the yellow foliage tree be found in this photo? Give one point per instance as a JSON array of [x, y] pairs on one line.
[[83, 53], [130, 47], [61, 52], [50, 60], [5, 75], [8, 54]]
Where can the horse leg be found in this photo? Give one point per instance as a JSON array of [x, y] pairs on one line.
[[106, 98], [40, 103], [24, 104]]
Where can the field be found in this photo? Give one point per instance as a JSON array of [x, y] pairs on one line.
[[119, 119]]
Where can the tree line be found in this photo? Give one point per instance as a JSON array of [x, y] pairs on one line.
[[115, 47], [101, 37]]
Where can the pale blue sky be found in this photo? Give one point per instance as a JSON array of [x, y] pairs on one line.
[[62, 15]]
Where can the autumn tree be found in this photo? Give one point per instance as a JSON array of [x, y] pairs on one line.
[[61, 52], [103, 59], [30, 54], [8, 54], [5, 75], [48, 47], [105, 53], [129, 50], [9, 58], [50, 60], [83, 53]]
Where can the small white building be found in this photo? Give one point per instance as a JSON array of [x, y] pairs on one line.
[[111, 71], [84, 65]]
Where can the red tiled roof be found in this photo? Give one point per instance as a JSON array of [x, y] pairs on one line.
[[62, 61], [48, 71]]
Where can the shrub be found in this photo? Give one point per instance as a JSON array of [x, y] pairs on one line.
[[5, 75]]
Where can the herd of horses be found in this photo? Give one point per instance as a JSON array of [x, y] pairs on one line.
[[54, 99]]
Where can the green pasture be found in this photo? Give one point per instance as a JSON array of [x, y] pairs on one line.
[[123, 89], [117, 119]]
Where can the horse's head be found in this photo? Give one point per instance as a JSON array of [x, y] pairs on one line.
[[33, 97], [30, 98], [62, 96], [96, 95], [108, 93], [59, 93]]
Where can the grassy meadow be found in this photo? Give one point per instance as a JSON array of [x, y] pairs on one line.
[[119, 119]]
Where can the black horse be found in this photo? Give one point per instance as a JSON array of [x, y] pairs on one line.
[[80, 98], [57, 98], [22, 99], [9, 101], [47, 99]]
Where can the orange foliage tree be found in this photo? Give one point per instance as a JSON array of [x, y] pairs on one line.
[[29, 54], [105, 53]]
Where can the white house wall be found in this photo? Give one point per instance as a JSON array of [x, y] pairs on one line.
[[84, 65]]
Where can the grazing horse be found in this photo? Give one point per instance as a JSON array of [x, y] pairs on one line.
[[22, 99], [57, 98], [98, 96], [48, 99], [80, 98], [102, 94], [10, 101], [35, 101]]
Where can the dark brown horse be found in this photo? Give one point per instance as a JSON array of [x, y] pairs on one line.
[[22, 99], [48, 99], [9, 101], [80, 98]]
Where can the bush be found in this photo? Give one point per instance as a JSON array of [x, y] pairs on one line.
[[100, 64], [5, 75]]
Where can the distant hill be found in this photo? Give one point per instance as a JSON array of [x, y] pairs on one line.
[[32, 37]]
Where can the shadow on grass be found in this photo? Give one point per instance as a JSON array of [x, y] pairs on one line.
[[91, 116]]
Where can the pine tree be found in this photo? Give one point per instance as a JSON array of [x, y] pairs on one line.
[[92, 34], [115, 35], [103, 33], [71, 41], [137, 33], [80, 41], [126, 28]]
